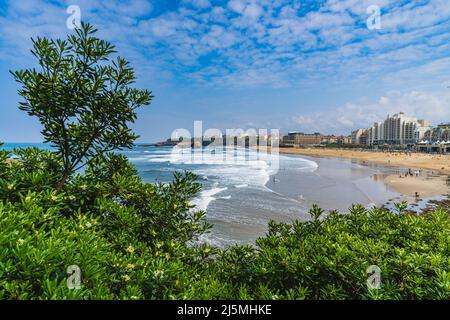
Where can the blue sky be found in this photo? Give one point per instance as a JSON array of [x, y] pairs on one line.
[[290, 65]]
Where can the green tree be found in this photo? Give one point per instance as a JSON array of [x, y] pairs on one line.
[[83, 99]]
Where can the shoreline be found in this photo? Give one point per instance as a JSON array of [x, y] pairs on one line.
[[423, 161], [430, 182], [424, 186]]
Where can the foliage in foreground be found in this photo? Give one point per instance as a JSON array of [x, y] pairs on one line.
[[134, 240], [130, 239], [82, 97], [328, 259]]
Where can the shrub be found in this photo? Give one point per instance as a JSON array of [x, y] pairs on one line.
[[83, 99], [134, 240], [328, 259], [130, 239]]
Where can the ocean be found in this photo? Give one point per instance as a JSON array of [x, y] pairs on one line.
[[12, 146], [243, 190]]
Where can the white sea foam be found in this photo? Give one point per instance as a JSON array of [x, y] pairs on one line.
[[371, 205], [218, 241], [136, 159], [232, 168], [204, 199], [158, 159]]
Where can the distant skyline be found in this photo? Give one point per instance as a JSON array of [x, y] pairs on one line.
[[310, 66]]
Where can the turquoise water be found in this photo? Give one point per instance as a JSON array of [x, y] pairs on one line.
[[11, 146]]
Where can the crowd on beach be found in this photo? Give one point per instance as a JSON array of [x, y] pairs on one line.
[[409, 172]]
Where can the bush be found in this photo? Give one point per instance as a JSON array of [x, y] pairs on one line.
[[82, 208], [130, 239], [134, 240], [328, 259]]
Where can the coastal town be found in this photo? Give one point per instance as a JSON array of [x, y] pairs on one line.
[[397, 131], [400, 140]]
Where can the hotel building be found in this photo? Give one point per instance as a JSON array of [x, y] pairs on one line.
[[398, 129], [297, 139]]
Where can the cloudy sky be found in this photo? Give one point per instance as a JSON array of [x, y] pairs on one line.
[[291, 65]]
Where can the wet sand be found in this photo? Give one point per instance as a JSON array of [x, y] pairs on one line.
[[241, 215], [425, 186], [432, 180]]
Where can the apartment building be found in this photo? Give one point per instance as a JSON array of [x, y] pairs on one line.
[[439, 134], [360, 136], [398, 129], [344, 139], [329, 139]]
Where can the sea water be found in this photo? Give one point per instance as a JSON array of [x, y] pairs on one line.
[[242, 190]]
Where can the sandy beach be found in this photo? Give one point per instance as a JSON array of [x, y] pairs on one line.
[[425, 186], [433, 162]]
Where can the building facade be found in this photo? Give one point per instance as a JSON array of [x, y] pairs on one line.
[[439, 134], [398, 129], [360, 136], [329, 139], [344, 139], [298, 139]]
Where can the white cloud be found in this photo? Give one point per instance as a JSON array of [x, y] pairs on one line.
[[303, 120], [131, 8], [201, 4], [249, 39], [237, 5], [422, 105], [252, 11]]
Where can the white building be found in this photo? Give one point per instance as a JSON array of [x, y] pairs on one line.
[[360, 136], [398, 129]]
